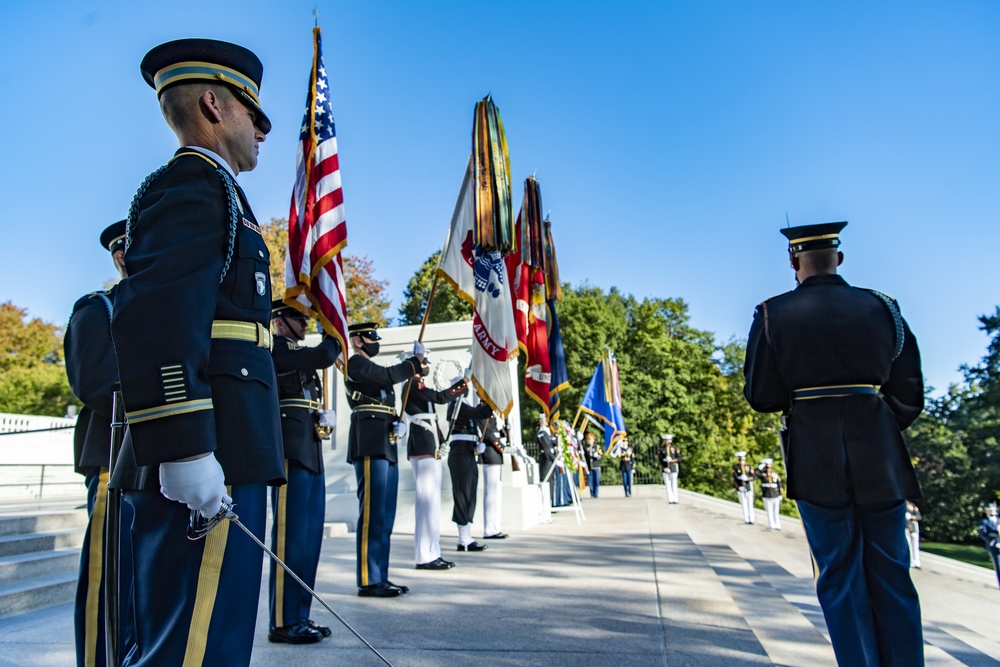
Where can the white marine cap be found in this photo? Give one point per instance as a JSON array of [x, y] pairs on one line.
[[741, 455]]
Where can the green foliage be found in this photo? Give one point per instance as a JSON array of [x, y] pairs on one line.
[[447, 306], [679, 379], [973, 554], [674, 378], [32, 375]]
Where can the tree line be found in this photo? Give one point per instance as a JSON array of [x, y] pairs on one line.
[[675, 378]]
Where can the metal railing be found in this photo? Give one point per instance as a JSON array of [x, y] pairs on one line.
[[19, 480]]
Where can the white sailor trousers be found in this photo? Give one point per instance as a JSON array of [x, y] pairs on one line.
[[427, 508]]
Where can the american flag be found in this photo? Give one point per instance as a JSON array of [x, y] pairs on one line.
[[317, 226]]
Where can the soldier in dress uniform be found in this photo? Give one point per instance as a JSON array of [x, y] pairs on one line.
[[770, 492], [913, 532], [626, 463], [190, 328], [672, 461], [491, 459], [843, 367], [546, 456], [989, 532], [743, 481], [371, 449], [299, 507], [423, 449], [93, 376], [466, 445], [593, 455]]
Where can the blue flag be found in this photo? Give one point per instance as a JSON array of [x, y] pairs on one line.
[[559, 377], [603, 400]]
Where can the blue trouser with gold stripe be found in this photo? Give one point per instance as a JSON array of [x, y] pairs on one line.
[[298, 509], [378, 483], [89, 613], [869, 602], [195, 600]]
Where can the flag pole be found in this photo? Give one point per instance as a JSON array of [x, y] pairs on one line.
[[579, 411], [420, 339]]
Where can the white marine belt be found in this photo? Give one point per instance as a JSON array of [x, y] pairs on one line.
[[425, 420], [467, 437]]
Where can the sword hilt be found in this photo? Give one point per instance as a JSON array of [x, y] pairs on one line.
[[199, 526]]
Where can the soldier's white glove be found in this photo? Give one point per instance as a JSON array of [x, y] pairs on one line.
[[480, 447], [199, 484], [399, 429], [418, 348], [328, 418]]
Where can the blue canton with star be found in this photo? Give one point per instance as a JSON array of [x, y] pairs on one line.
[[321, 113]]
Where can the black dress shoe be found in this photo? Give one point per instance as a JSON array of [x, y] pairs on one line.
[[294, 634], [439, 564], [399, 587], [322, 629], [378, 591], [475, 546], [498, 536]]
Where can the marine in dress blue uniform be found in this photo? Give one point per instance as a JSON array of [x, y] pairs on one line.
[[299, 507], [191, 333], [93, 376], [423, 450], [843, 366], [371, 449]]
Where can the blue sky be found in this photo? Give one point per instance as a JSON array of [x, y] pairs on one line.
[[669, 139]]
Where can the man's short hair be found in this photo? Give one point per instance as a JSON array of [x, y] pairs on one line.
[[824, 259], [179, 103]]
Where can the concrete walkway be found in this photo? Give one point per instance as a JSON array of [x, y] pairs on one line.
[[639, 583]]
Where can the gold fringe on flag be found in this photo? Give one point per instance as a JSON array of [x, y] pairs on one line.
[[494, 228]]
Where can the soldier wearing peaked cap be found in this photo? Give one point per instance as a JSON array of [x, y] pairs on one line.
[[191, 332], [842, 365], [371, 449], [93, 376], [423, 450], [770, 492], [743, 481], [299, 507], [466, 444]]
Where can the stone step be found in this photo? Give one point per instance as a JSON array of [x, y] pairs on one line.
[[21, 524], [26, 566], [23, 596], [13, 545]]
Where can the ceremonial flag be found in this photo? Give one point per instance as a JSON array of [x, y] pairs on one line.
[[603, 400], [317, 226], [472, 260], [531, 316], [559, 376]]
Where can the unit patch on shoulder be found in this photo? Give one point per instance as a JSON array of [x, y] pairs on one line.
[[251, 225], [261, 282]]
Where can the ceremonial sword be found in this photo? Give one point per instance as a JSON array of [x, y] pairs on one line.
[[199, 527]]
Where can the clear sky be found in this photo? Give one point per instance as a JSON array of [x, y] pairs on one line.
[[669, 139]]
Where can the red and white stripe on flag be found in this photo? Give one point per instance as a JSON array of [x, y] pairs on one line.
[[317, 225]]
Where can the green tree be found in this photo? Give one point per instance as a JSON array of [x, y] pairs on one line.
[[447, 306], [32, 375]]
